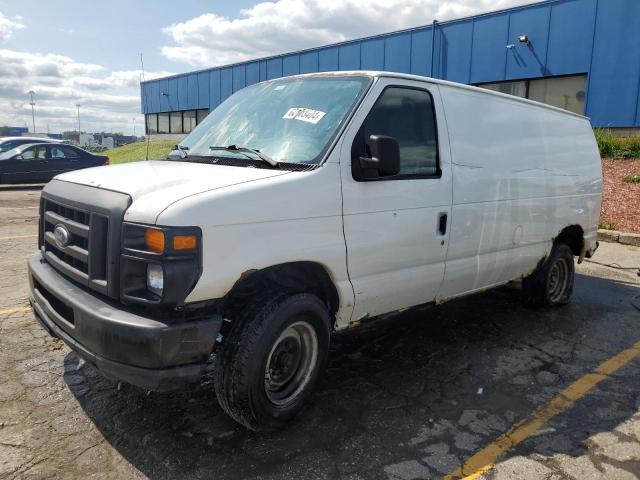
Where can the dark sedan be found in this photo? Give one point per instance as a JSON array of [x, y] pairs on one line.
[[40, 162]]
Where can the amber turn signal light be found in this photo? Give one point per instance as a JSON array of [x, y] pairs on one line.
[[154, 240], [185, 242]]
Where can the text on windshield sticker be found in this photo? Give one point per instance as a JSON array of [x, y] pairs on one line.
[[304, 114]]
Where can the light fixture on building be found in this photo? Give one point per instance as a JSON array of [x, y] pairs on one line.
[[164, 94], [523, 39]]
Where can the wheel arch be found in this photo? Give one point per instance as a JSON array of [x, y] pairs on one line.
[[297, 277], [573, 237]]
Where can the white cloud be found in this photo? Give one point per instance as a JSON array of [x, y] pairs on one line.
[[120, 78], [109, 100], [8, 26], [284, 25]]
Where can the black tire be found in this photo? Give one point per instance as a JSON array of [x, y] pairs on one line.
[[551, 285], [264, 333]]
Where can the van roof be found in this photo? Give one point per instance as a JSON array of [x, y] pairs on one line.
[[418, 78]]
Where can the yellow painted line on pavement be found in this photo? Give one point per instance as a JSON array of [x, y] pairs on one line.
[[9, 311], [485, 459], [19, 236]]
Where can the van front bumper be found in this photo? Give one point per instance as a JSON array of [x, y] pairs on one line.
[[152, 354]]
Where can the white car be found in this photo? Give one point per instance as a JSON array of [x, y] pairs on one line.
[[306, 205]]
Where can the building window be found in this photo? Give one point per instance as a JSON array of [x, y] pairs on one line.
[[518, 89], [562, 92], [565, 92], [189, 120], [152, 123], [201, 115], [176, 122], [163, 123]]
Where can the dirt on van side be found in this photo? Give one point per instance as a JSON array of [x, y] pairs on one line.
[[620, 199]]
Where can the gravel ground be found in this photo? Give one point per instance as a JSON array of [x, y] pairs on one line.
[[620, 199], [408, 397]]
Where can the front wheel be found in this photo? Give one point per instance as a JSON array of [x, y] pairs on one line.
[[551, 285], [271, 359]]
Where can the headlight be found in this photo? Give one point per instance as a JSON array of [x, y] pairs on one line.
[[159, 264], [155, 278]]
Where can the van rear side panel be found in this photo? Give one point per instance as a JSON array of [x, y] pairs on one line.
[[521, 173]]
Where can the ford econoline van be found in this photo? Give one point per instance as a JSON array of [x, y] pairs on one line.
[[302, 206]]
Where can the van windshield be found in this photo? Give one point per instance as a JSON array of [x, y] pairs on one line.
[[286, 120]]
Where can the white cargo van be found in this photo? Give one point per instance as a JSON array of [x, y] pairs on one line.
[[305, 205]]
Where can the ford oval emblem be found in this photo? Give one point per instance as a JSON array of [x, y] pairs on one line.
[[61, 235]]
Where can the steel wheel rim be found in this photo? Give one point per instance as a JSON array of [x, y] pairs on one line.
[[291, 363], [558, 280]]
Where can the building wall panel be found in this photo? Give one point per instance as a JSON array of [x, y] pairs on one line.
[[274, 68], [203, 90], [570, 48], [349, 57], [183, 93], [172, 96], [164, 99], [528, 60], [455, 58], [613, 83], [328, 59], [214, 89], [239, 77], [291, 65], [253, 73], [309, 62], [489, 56], [421, 52], [192, 91], [226, 83], [263, 71], [372, 54], [397, 53], [154, 99]]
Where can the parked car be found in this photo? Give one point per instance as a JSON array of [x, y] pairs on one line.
[[306, 205], [40, 162], [8, 143]]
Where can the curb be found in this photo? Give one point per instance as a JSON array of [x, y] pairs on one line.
[[613, 236]]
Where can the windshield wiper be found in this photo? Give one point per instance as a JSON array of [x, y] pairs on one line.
[[182, 150], [245, 151]]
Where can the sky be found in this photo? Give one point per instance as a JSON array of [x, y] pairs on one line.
[[71, 52]]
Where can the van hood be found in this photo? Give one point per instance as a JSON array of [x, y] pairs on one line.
[[154, 185]]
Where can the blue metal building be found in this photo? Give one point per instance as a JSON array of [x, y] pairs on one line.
[[582, 55]]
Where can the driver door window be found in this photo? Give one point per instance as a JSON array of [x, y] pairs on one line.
[[406, 114]]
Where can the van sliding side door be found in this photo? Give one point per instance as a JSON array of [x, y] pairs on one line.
[[397, 228]]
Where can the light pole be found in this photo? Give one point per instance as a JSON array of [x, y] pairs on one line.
[[33, 109], [78, 105]]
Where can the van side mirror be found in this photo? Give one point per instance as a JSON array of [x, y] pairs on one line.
[[19, 157], [384, 160]]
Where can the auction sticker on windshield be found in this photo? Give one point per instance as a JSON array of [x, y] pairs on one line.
[[304, 114]]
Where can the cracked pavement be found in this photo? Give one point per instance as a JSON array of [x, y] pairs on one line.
[[409, 396]]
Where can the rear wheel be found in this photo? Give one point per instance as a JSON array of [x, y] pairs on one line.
[[551, 284], [271, 359]]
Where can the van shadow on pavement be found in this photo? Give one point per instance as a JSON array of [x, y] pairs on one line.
[[424, 389]]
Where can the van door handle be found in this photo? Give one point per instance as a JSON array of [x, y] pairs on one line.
[[442, 223]]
